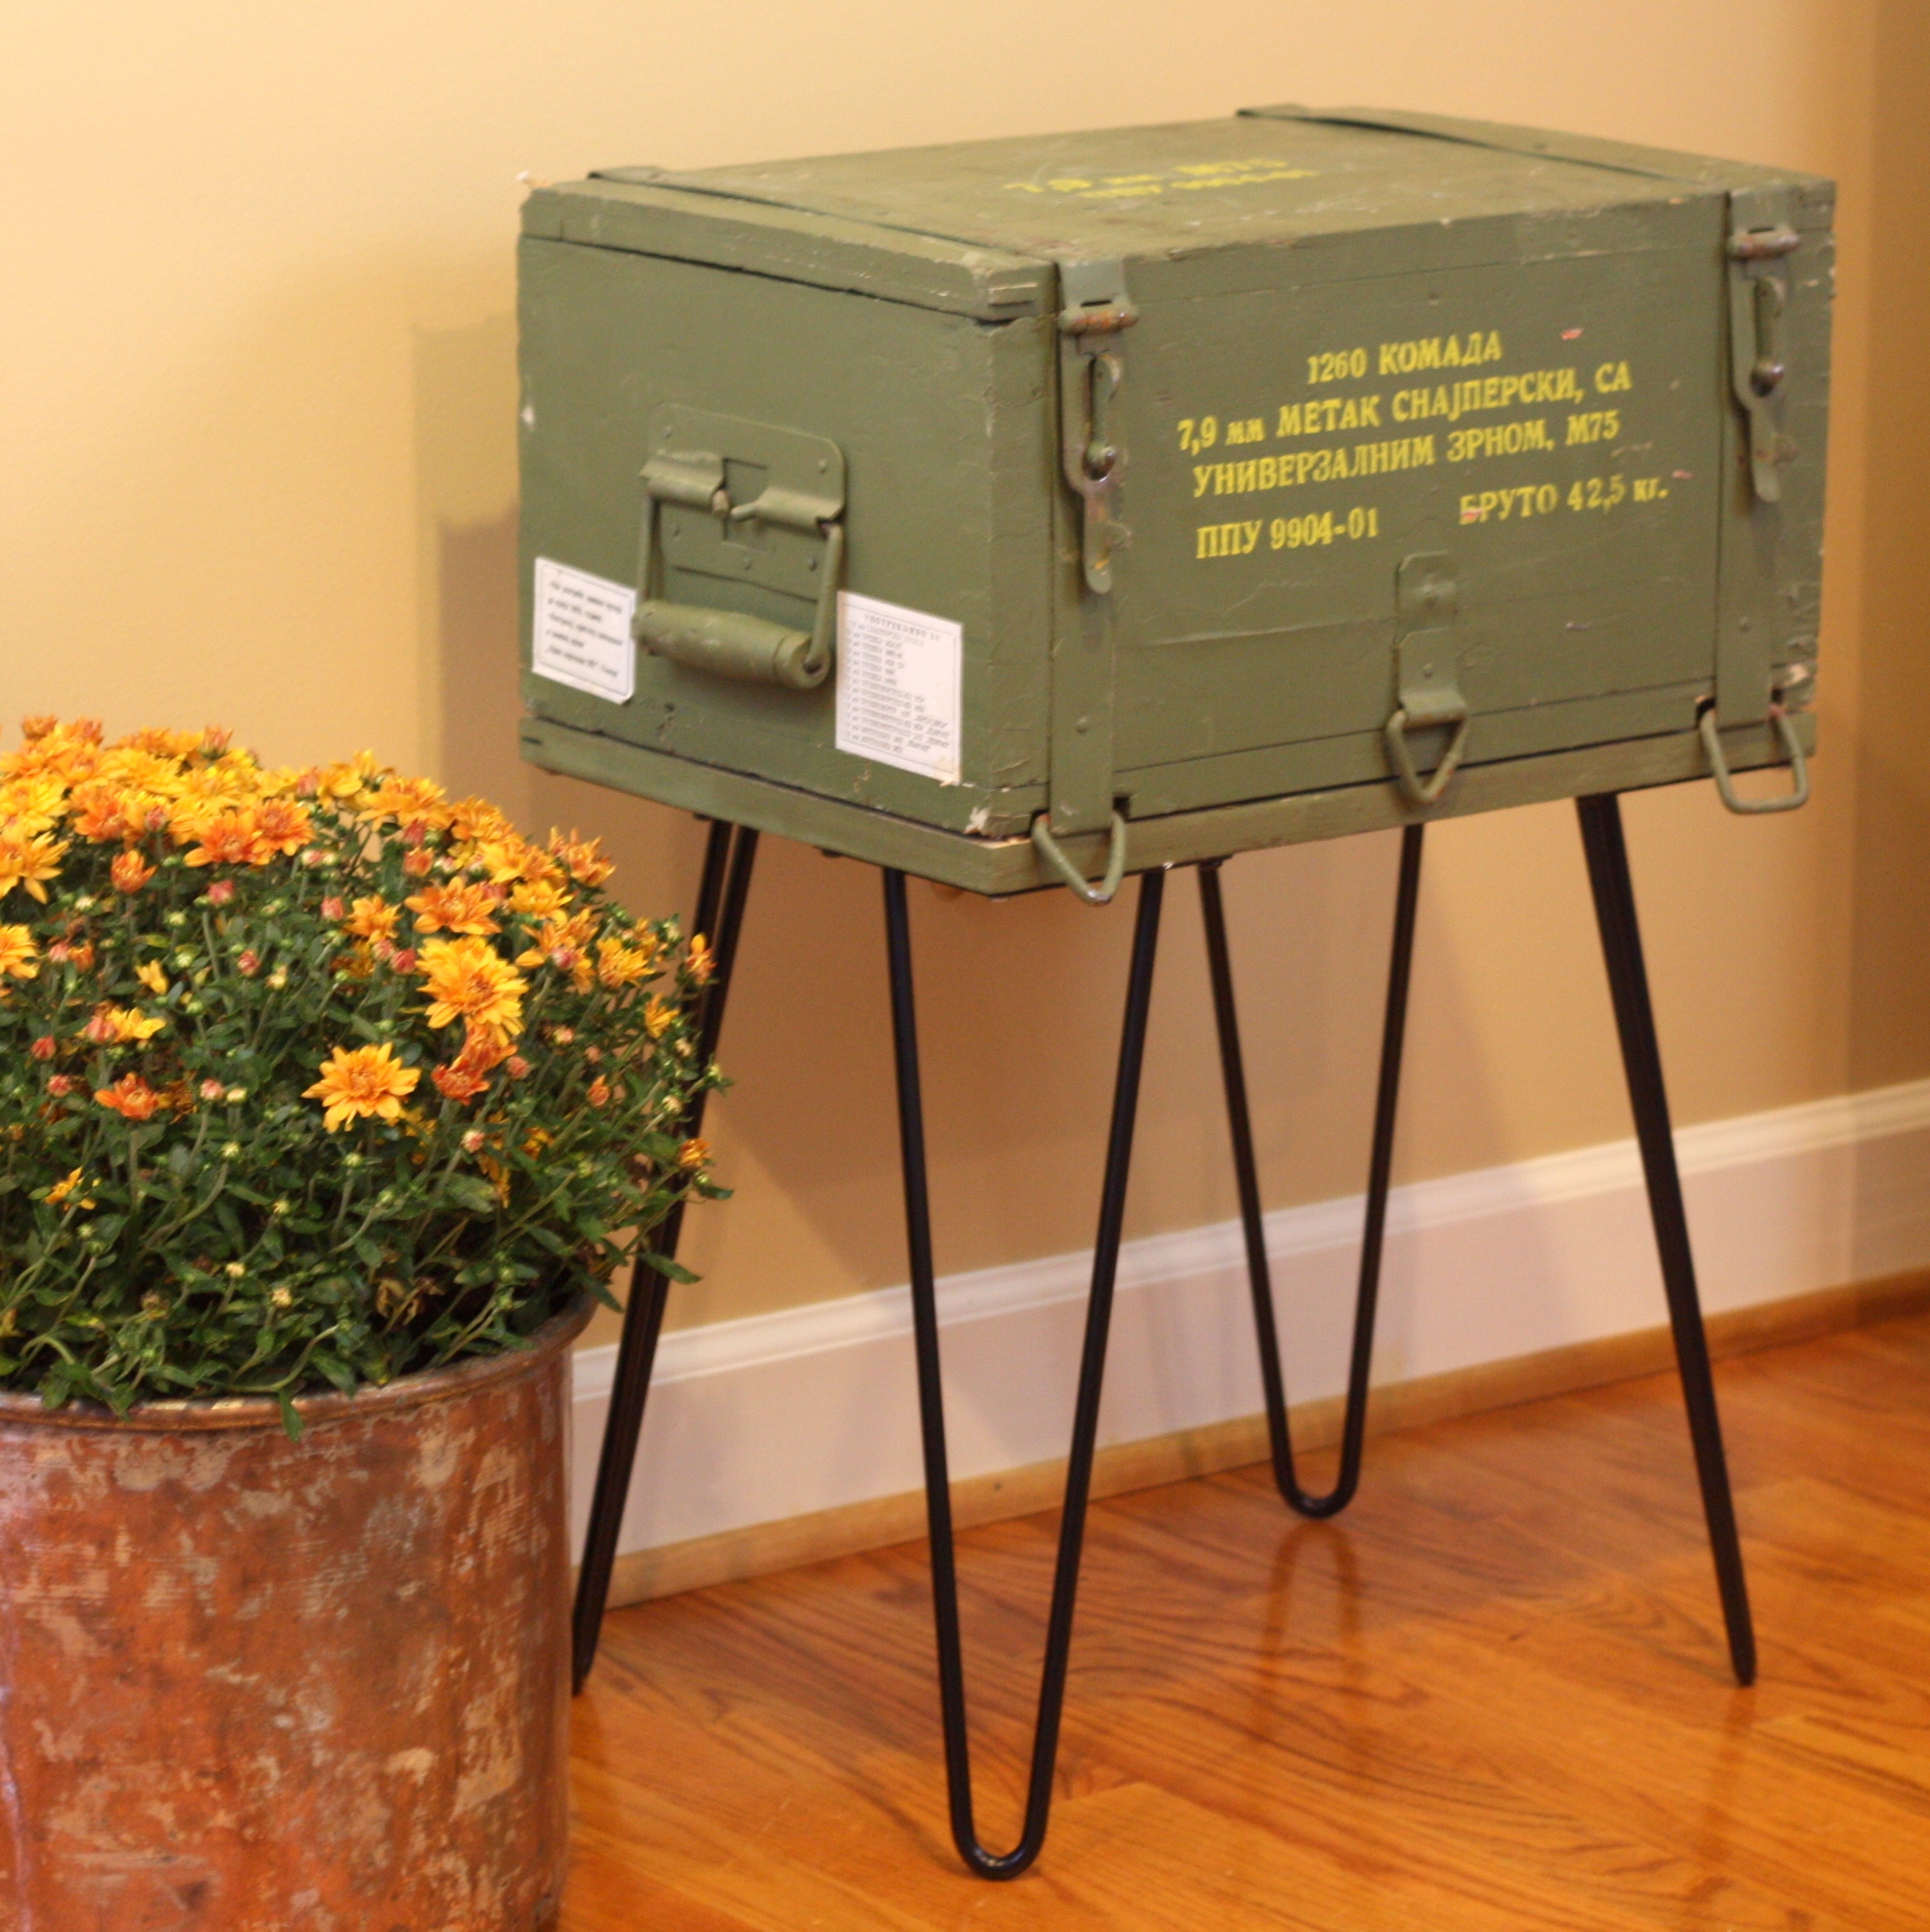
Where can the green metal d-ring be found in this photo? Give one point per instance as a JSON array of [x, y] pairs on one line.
[[1798, 766], [1424, 792], [1050, 849]]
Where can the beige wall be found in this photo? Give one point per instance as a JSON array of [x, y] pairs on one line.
[[257, 355]]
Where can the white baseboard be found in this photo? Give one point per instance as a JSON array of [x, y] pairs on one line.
[[781, 1415]]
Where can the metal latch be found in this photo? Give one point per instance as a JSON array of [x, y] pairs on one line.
[[745, 503], [1093, 310], [1762, 240], [1425, 664]]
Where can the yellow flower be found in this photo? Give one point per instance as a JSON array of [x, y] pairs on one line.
[[473, 820], [618, 964], [60, 1190], [19, 957], [407, 801], [117, 1026], [152, 977], [67, 751], [34, 803], [659, 1016], [372, 919], [694, 1156], [466, 979], [362, 1083], [346, 781], [539, 899], [28, 859]]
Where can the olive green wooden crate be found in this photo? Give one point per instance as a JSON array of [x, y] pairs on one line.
[[1206, 486]]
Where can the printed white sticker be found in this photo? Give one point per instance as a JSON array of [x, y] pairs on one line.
[[582, 632], [899, 686]]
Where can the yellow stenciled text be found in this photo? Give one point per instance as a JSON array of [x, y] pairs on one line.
[[1440, 351], [1333, 465], [1226, 540]]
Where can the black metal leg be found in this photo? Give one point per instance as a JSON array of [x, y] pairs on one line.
[[1379, 1165], [1635, 1020], [1086, 1411], [728, 856]]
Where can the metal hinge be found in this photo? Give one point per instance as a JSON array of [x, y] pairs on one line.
[[1093, 310], [1762, 236]]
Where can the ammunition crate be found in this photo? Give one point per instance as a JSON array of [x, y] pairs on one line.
[[1202, 487]]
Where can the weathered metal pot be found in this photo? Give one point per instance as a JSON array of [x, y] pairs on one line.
[[256, 1686]]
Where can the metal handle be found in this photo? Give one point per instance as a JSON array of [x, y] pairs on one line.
[[1427, 790], [732, 644], [1799, 767], [1051, 852]]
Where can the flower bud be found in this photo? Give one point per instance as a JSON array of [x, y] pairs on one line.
[[248, 965], [221, 892], [472, 1141], [44, 1048]]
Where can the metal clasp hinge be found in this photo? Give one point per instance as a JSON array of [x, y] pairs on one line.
[[1093, 311], [1759, 292], [1425, 664]]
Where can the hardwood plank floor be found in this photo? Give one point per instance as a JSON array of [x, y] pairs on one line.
[[1493, 1697]]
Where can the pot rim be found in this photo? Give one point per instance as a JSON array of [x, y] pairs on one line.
[[21, 1408]]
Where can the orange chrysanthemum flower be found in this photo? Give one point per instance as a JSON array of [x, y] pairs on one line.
[[583, 858], [362, 1083], [459, 908], [130, 871], [468, 1073], [372, 919], [229, 838], [408, 801], [471, 820], [130, 1097], [466, 979], [281, 825]]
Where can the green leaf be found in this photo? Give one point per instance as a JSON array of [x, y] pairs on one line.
[[472, 1192]]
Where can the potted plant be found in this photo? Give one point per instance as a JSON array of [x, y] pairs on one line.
[[327, 1105]]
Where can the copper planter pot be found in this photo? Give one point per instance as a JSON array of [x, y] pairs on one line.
[[256, 1686]]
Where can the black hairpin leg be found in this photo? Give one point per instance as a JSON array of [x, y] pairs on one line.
[[1085, 1411], [1635, 1020], [728, 858], [1393, 1028]]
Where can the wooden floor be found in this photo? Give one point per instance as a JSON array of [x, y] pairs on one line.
[[1493, 1696]]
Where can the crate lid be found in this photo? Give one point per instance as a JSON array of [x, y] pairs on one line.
[[979, 225]]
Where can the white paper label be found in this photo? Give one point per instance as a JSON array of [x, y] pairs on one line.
[[582, 632], [898, 686]]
